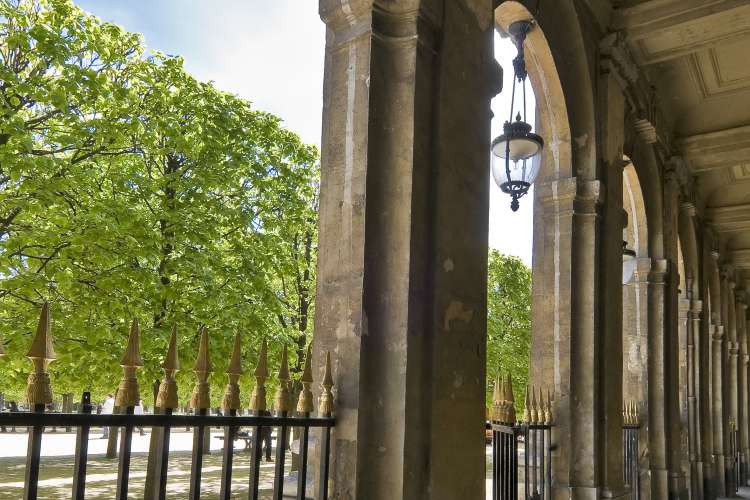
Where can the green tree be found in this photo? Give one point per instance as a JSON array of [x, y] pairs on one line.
[[134, 190], [508, 321]]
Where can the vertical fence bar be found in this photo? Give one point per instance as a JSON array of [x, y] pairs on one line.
[[82, 448], [127, 398], [255, 455], [162, 458], [33, 457], [230, 402], [123, 469], [282, 406], [258, 407], [227, 458], [325, 409], [304, 409], [196, 464], [39, 394]]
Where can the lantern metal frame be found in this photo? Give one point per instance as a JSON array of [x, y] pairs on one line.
[[518, 129]]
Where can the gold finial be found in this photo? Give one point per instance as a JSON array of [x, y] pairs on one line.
[[305, 402], [510, 416], [527, 407], [540, 408], [41, 354], [258, 397], [231, 400], [548, 409], [534, 408], [127, 392], [167, 396], [636, 417], [325, 403], [497, 400], [201, 398], [281, 401]]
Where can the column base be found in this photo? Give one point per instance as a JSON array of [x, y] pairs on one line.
[[577, 492], [659, 483], [622, 494]]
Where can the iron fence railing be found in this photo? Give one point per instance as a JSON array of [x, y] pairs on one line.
[[37, 420], [39, 398], [631, 471], [521, 447]]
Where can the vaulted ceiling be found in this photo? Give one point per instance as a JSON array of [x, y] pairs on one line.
[[696, 54]]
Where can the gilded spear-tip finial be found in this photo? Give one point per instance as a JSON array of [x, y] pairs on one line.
[[258, 397], [305, 401], [127, 392], [636, 417], [41, 354], [496, 400], [325, 402], [511, 401], [231, 400], [281, 400], [167, 396], [548, 409], [201, 398], [527, 407], [534, 407]]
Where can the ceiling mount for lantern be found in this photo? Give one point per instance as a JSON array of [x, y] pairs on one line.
[[518, 144]]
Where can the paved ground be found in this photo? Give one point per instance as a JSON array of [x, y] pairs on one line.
[[57, 467]]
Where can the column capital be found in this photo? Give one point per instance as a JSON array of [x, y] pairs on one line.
[[617, 59], [558, 194], [718, 332], [658, 271], [645, 130], [688, 208], [696, 306], [715, 255], [588, 196]]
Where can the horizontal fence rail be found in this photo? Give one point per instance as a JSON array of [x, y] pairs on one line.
[[285, 417]]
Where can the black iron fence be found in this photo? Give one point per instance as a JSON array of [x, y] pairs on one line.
[[631, 471], [521, 452], [260, 423], [162, 424]]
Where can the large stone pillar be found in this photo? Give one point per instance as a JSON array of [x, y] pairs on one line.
[[657, 418], [611, 116], [686, 387], [726, 393], [401, 299], [704, 362], [717, 385]]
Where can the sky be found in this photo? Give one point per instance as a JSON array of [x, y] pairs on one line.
[[271, 53]]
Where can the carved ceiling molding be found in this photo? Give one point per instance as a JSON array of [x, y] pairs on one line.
[[666, 29], [730, 218], [727, 150], [706, 72]]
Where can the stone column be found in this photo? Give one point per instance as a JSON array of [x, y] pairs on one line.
[[657, 418], [742, 406], [611, 115], [697, 427], [727, 389], [717, 385], [401, 298], [704, 353], [687, 387], [675, 451]]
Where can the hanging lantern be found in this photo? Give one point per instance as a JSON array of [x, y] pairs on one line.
[[513, 167]]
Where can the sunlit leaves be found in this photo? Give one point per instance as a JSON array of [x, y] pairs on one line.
[[130, 189]]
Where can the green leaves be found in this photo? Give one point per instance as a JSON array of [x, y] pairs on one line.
[[508, 320], [130, 189]]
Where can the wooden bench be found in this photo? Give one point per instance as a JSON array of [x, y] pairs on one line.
[[244, 435]]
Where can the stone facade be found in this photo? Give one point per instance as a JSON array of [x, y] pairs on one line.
[[401, 299]]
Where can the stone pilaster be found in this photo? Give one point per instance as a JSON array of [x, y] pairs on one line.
[[401, 299]]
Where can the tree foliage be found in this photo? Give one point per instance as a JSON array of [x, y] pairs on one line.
[[508, 321], [130, 189]]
